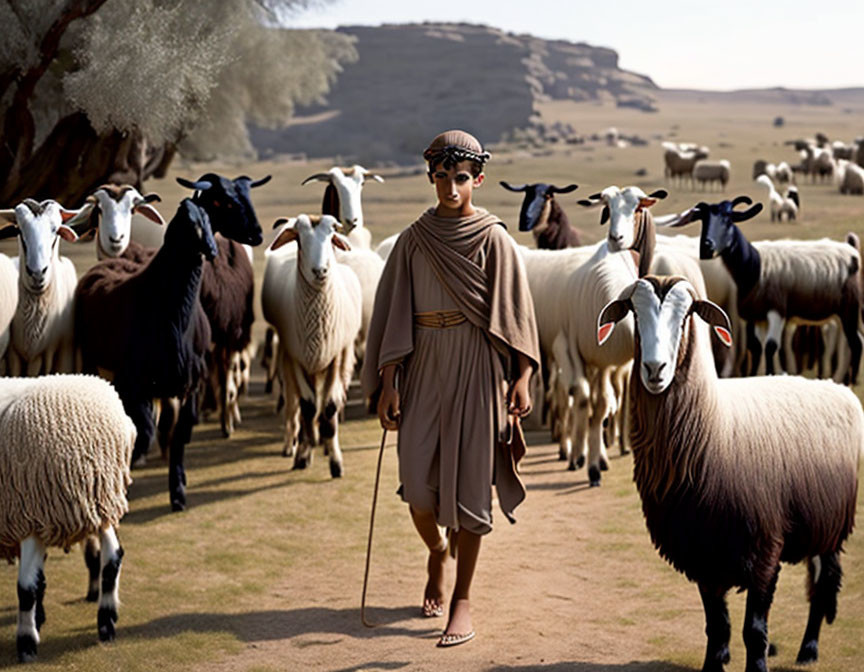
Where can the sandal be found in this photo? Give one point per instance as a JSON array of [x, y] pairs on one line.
[[454, 640]]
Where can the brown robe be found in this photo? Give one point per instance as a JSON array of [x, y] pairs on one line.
[[453, 381]]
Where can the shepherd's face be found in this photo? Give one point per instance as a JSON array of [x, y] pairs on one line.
[[454, 188]]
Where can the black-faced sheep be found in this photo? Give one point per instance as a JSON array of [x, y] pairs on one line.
[[542, 215], [777, 280], [228, 285], [65, 445], [736, 475], [151, 349]]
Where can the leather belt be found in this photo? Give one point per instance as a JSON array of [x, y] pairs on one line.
[[439, 319]]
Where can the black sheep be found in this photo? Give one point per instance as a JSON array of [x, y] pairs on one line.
[[140, 321], [542, 215]]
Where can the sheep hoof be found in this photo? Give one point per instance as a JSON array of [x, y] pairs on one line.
[[772, 649], [562, 454], [92, 595], [580, 461], [604, 465], [809, 652], [571, 466], [594, 476], [268, 387], [106, 619], [300, 462], [226, 432], [26, 646], [139, 461], [336, 469]]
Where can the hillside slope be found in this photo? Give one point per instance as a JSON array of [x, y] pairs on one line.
[[412, 81]]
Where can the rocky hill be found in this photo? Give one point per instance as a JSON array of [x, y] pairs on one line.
[[412, 81]]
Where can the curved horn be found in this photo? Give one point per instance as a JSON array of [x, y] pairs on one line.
[[200, 185], [320, 177], [510, 187], [258, 183], [563, 190], [741, 199], [747, 214], [152, 198]]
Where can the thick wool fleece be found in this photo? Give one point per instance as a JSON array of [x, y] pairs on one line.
[[65, 449]]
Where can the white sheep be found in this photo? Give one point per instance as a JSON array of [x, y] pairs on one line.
[[65, 447], [111, 220], [852, 180], [385, 247], [736, 475], [780, 206], [42, 328], [8, 304], [314, 304], [342, 200], [705, 171]]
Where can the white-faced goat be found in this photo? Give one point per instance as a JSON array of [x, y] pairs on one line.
[[111, 219], [42, 330], [541, 215], [735, 475], [313, 302]]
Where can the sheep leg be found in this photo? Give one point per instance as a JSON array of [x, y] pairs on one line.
[[850, 328], [141, 413], [269, 359], [565, 377], [579, 416], [182, 435], [718, 629], [31, 591], [291, 397], [328, 428], [754, 347], [756, 624], [308, 413], [91, 559], [788, 357], [823, 581], [595, 440], [830, 341], [169, 410], [223, 371], [109, 598], [773, 339]]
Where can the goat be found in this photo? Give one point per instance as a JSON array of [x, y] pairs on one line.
[[541, 215]]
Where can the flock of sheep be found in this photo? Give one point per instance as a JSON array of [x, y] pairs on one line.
[[725, 498]]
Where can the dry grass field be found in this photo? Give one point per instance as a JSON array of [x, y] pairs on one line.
[[264, 570]]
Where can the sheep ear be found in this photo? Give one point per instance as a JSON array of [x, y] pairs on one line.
[[564, 190], [659, 193], [612, 314], [373, 176], [716, 318], [72, 217], [319, 177], [200, 185], [149, 212], [340, 242], [289, 234], [646, 203], [67, 234], [605, 216], [9, 231]]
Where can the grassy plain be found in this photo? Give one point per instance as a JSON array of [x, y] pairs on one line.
[[264, 570]]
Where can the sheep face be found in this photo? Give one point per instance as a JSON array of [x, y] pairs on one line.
[[619, 208], [719, 224], [229, 205], [662, 307], [316, 237], [117, 208], [342, 198], [192, 225], [40, 226], [537, 204]]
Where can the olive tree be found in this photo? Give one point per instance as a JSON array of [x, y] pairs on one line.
[[106, 90]]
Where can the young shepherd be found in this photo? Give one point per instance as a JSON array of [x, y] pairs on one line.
[[736, 475]]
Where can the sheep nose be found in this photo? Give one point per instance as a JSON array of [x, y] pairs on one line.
[[37, 275], [708, 246], [653, 369], [320, 272], [118, 239]]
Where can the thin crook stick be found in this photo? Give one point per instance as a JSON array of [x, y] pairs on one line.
[[369, 543]]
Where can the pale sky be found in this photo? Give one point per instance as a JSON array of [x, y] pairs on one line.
[[725, 44]]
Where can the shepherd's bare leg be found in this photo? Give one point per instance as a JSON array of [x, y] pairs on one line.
[[427, 527], [468, 550]]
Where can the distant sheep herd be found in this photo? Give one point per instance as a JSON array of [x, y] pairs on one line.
[[641, 336]]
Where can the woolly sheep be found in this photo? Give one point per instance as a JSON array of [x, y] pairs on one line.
[[542, 215], [42, 339], [8, 304], [314, 303], [853, 180], [736, 475], [65, 445], [679, 162], [712, 171], [780, 206]]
